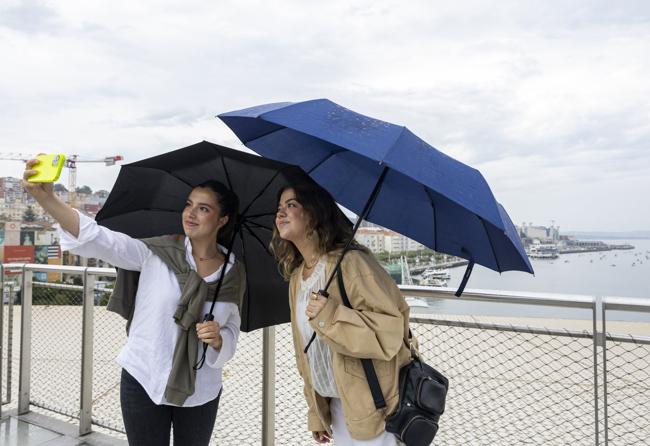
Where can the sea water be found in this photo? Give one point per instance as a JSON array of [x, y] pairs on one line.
[[607, 273]]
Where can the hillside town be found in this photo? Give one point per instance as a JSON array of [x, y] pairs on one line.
[[27, 235]]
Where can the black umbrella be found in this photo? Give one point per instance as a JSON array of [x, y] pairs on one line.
[[149, 196]]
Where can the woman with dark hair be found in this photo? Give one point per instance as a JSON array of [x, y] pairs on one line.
[[310, 232], [164, 289]]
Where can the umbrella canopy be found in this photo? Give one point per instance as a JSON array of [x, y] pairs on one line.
[[418, 191], [149, 196]]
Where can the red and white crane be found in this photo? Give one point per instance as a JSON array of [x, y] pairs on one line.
[[71, 163]]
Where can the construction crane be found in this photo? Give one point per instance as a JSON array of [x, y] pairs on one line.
[[71, 163]]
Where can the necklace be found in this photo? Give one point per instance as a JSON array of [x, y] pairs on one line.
[[314, 262], [203, 259]]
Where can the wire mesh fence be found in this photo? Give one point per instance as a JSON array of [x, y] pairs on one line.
[[108, 338], [56, 348], [10, 332], [508, 385], [628, 392], [290, 405]]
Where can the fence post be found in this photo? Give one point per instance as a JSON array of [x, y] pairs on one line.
[[2, 318], [600, 337], [594, 316], [86, 400], [10, 342], [268, 387], [603, 306], [25, 342]]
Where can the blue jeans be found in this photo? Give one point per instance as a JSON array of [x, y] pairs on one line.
[[149, 424]]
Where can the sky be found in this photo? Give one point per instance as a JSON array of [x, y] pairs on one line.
[[549, 100]]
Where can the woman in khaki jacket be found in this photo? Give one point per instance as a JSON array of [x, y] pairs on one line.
[[310, 231]]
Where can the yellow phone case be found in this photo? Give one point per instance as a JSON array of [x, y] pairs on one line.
[[48, 169]]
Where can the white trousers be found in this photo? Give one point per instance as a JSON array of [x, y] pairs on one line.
[[342, 436]]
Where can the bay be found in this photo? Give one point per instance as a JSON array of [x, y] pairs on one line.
[[607, 273]]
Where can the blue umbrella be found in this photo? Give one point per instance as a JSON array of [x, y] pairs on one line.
[[389, 176]]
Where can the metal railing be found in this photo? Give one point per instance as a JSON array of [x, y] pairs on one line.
[[511, 382]]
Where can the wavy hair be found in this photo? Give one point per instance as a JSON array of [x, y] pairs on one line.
[[324, 218]]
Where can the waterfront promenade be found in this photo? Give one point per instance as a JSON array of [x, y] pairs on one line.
[[513, 380]]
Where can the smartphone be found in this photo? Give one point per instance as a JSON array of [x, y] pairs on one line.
[[48, 169]]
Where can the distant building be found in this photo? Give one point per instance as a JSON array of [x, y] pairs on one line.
[[544, 234], [11, 189], [372, 238], [378, 239]]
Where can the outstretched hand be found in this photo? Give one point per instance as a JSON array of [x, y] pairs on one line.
[[40, 191]]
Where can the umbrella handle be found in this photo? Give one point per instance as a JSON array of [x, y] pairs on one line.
[[208, 317], [468, 272]]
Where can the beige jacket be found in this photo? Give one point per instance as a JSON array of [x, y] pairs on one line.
[[376, 328]]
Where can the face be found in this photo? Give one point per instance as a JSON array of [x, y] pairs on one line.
[[291, 218], [201, 214]]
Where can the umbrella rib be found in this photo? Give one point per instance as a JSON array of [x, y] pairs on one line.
[[258, 225], [335, 152], [250, 217], [247, 291], [435, 218], [257, 238], [259, 194], [225, 169], [169, 172], [494, 254], [248, 141]]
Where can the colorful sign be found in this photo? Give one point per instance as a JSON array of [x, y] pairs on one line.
[[53, 252], [18, 254], [40, 254]]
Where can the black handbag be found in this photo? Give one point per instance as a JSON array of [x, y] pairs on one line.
[[422, 394]]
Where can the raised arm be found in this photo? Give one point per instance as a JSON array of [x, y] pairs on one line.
[[81, 235], [43, 193]]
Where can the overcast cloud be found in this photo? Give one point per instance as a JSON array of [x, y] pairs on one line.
[[548, 99]]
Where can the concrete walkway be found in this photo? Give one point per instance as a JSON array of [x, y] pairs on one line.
[[36, 429]]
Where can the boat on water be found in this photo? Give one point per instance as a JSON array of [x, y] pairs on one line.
[[435, 277], [543, 251], [432, 281], [437, 273]]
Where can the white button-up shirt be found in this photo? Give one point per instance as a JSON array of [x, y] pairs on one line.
[[149, 349]]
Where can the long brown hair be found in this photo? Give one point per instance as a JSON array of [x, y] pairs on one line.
[[325, 219]]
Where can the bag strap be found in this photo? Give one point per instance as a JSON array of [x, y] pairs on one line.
[[368, 367]]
